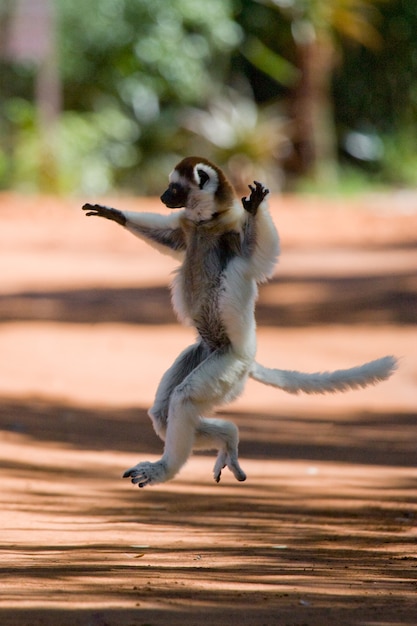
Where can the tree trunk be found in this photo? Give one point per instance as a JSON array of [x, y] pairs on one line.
[[315, 136]]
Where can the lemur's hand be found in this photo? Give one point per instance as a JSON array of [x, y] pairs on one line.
[[257, 195], [103, 211]]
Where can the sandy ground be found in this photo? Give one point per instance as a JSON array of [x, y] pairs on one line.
[[324, 530]]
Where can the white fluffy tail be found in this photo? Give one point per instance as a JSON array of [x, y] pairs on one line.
[[326, 382]]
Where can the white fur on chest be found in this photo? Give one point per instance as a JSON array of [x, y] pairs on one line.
[[200, 207]]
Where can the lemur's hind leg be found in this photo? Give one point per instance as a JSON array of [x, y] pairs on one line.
[[216, 379], [183, 365]]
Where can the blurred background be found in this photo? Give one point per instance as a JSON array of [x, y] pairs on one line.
[[306, 94]]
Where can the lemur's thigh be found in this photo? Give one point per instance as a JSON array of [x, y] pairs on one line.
[[185, 363], [218, 379]]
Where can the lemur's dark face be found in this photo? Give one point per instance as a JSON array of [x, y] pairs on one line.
[[175, 197]]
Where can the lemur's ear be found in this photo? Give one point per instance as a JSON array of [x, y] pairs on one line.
[[206, 177], [203, 177]]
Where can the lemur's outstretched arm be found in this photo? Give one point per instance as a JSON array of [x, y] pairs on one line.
[[260, 239], [161, 230]]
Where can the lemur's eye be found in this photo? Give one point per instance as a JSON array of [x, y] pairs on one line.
[[175, 188]]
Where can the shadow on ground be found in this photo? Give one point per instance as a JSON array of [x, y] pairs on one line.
[[373, 438], [287, 301]]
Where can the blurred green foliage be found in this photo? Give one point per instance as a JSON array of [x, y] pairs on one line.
[[145, 82], [371, 78]]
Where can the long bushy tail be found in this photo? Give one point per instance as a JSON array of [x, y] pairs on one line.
[[326, 382]]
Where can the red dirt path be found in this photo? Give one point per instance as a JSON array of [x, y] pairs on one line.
[[324, 530]]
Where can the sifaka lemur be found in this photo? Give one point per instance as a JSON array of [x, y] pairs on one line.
[[226, 248]]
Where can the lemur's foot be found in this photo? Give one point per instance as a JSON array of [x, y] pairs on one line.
[[257, 195], [99, 210], [224, 459], [147, 473]]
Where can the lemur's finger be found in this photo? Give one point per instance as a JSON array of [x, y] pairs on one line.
[[95, 213], [260, 188], [261, 191], [97, 208], [88, 206]]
